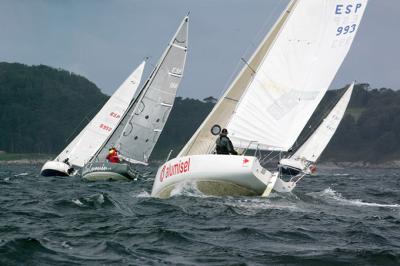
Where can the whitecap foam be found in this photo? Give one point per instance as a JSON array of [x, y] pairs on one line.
[[78, 202], [65, 244], [257, 204], [100, 199], [143, 194], [186, 189], [22, 174], [329, 193]]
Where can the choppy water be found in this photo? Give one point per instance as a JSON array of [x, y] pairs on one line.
[[341, 217]]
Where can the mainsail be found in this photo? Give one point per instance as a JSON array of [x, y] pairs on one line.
[[312, 149], [141, 125], [89, 140], [273, 97]]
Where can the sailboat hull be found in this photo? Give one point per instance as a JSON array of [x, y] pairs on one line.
[[218, 175], [108, 171], [54, 168]]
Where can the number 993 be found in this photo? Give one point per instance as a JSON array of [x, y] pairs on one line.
[[346, 30]]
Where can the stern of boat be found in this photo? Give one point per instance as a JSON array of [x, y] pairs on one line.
[[55, 168], [104, 171]]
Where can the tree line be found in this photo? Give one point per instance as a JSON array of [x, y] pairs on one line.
[[43, 108]]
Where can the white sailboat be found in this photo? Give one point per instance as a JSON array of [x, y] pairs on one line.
[[302, 162], [88, 141], [309, 152], [140, 127], [270, 101]]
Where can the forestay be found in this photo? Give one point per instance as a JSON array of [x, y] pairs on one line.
[[141, 126], [278, 90], [203, 141], [312, 149], [90, 139]]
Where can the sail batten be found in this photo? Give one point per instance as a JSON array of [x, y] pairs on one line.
[[90, 139], [284, 81], [295, 73], [202, 141]]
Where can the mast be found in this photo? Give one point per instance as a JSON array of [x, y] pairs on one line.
[[142, 123], [274, 96], [202, 140], [86, 143]]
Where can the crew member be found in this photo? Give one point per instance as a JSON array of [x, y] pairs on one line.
[[70, 169], [66, 161], [112, 155], [224, 144]]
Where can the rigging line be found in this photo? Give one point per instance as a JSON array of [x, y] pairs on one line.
[[271, 158], [264, 29], [86, 119]]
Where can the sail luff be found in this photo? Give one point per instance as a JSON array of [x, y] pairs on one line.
[[202, 140], [161, 93], [296, 73], [141, 125], [115, 129], [313, 147], [84, 146]]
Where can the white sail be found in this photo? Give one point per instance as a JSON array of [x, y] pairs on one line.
[[141, 125], [275, 94], [89, 140], [312, 149]]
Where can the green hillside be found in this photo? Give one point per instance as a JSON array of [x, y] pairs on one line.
[[42, 108]]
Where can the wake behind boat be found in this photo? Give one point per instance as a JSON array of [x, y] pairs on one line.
[[131, 142], [88, 141], [271, 100]]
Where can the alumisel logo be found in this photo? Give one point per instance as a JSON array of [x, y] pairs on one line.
[[170, 169]]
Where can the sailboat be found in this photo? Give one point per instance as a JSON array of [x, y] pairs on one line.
[[140, 127], [302, 161], [88, 141], [270, 100]]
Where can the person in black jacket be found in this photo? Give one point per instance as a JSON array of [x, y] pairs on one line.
[[224, 144]]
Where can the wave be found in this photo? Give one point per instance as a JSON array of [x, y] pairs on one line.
[[187, 189], [95, 200], [11, 251], [339, 174], [22, 174], [143, 194], [329, 193]]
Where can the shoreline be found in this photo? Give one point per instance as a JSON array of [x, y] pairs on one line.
[[24, 161], [324, 165]]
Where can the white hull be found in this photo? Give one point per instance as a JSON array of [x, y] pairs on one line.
[[100, 171], [219, 175], [284, 186], [54, 168], [104, 176]]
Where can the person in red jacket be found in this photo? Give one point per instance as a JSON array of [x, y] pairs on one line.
[[112, 156]]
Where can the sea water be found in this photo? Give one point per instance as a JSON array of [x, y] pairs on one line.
[[338, 217]]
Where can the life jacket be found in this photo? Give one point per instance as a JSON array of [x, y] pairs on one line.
[[222, 145], [113, 157]]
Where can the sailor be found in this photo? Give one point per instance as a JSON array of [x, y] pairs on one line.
[[112, 155], [66, 161], [224, 144], [70, 169]]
